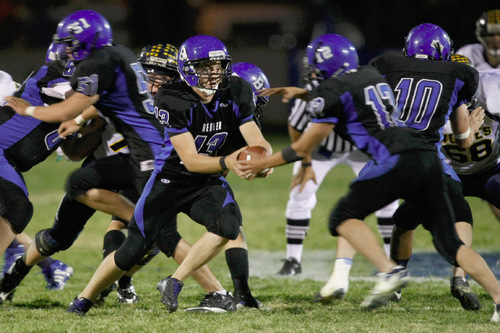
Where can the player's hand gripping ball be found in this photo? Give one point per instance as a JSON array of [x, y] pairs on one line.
[[253, 152]]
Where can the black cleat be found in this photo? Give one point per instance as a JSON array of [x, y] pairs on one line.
[[79, 306], [170, 289], [11, 279], [127, 295], [460, 289], [290, 268], [215, 302], [246, 301]]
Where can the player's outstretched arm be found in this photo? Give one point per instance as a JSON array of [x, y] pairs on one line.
[[287, 93], [55, 113]]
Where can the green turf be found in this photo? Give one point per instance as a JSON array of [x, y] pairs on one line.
[[426, 306]]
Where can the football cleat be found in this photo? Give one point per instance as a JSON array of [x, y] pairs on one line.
[[246, 301], [11, 279], [215, 302], [11, 255], [334, 289], [127, 295], [79, 306], [388, 283], [396, 297], [460, 289], [290, 268], [496, 314], [57, 274], [170, 289]]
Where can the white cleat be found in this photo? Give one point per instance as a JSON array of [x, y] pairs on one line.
[[386, 286], [334, 289]]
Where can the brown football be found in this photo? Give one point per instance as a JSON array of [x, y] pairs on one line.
[[252, 152]]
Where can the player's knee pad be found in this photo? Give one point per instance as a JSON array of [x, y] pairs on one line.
[[227, 225], [152, 252], [447, 246], [131, 251], [45, 244], [407, 216], [18, 212], [338, 215], [113, 239]]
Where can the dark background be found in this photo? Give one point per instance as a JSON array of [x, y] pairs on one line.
[[270, 34]]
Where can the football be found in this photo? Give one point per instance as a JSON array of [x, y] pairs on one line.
[[252, 152]]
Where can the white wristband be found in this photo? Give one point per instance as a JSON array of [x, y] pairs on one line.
[[79, 120], [462, 136], [30, 110]]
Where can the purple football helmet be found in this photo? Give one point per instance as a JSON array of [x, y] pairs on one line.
[[55, 52], [331, 55], [255, 76], [198, 50], [428, 41], [84, 31]]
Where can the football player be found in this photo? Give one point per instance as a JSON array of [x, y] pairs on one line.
[[25, 142], [333, 151], [359, 104], [428, 93], [110, 77], [199, 113], [486, 53]]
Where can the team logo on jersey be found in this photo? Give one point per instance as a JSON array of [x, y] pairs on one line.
[[315, 107]]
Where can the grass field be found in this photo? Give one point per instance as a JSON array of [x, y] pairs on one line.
[[427, 305]]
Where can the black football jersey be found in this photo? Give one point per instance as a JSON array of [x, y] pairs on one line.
[[27, 141], [361, 104], [427, 91], [114, 73], [212, 125]]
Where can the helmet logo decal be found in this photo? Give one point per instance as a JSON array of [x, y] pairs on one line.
[[183, 54], [438, 46], [76, 28], [259, 83], [323, 53], [316, 106]]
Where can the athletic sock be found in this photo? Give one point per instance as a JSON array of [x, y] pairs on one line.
[[237, 262], [385, 226], [296, 231]]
